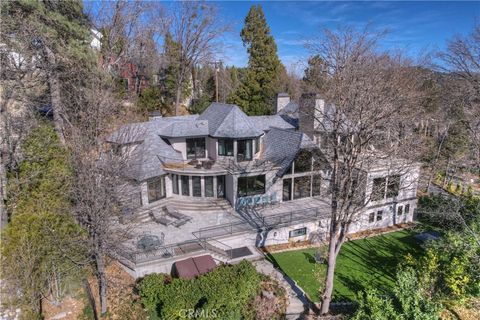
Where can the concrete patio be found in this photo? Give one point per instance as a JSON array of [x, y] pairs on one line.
[[215, 213]]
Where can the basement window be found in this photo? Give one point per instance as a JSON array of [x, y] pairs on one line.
[[297, 232]]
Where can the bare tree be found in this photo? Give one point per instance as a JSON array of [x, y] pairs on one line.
[[97, 174], [462, 59], [196, 30], [454, 213], [125, 28], [362, 126]]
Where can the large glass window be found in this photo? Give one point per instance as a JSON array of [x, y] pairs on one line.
[[378, 190], [197, 186], [393, 186], [225, 147], [208, 186], [244, 150], [220, 186], [289, 170], [156, 189], [175, 183], [318, 162], [301, 187], [195, 148], [185, 185], [249, 186], [287, 189], [316, 185], [303, 162]]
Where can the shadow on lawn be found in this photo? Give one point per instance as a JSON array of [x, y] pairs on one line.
[[380, 256], [371, 262], [309, 257]]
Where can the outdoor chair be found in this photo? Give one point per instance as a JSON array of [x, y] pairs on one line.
[[273, 198], [265, 200], [241, 202], [257, 200], [207, 165], [173, 212], [179, 223], [248, 202], [160, 218]]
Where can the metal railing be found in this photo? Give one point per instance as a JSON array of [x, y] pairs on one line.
[[162, 252], [206, 237], [218, 247], [254, 224]]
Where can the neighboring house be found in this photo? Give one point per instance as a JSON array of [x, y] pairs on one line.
[[239, 181]]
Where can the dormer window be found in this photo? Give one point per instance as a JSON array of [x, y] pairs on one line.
[[195, 148], [244, 150], [225, 147]]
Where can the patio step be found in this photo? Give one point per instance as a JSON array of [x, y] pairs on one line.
[[189, 206]]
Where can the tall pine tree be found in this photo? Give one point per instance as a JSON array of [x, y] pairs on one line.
[[257, 92]]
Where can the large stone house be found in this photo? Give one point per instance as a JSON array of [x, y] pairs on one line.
[[237, 182]]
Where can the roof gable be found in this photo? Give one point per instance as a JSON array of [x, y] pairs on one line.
[[228, 121]]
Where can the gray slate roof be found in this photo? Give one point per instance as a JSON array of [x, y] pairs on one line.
[[281, 147], [144, 161], [228, 121], [185, 129], [218, 120], [265, 123]]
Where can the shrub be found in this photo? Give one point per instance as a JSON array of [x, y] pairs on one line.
[[227, 291], [409, 301]]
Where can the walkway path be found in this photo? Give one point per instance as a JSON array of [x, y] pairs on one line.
[[296, 297]]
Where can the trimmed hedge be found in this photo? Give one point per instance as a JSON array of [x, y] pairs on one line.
[[224, 293]]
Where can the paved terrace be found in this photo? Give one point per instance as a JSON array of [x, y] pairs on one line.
[[219, 217]]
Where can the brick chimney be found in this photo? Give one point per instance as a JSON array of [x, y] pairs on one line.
[[311, 113], [282, 100]]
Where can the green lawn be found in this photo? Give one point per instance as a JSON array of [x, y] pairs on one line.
[[361, 263]]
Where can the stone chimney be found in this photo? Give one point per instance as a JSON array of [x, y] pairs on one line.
[[154, 115], [282, 100], [311, 113]]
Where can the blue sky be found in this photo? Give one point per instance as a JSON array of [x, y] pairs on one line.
[[416, 27]]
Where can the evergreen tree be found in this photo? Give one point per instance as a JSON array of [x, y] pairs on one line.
[[59, 33], [40, 248], [169, 74], [257, 92], [315, 74]]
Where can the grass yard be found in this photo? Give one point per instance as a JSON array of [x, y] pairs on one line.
[[361, 263]]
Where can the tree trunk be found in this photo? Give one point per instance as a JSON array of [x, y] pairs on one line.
[[177, 100], [90, 297], [3, 193], [102, 283], [445, 179], [55, 98], [332, 260]]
